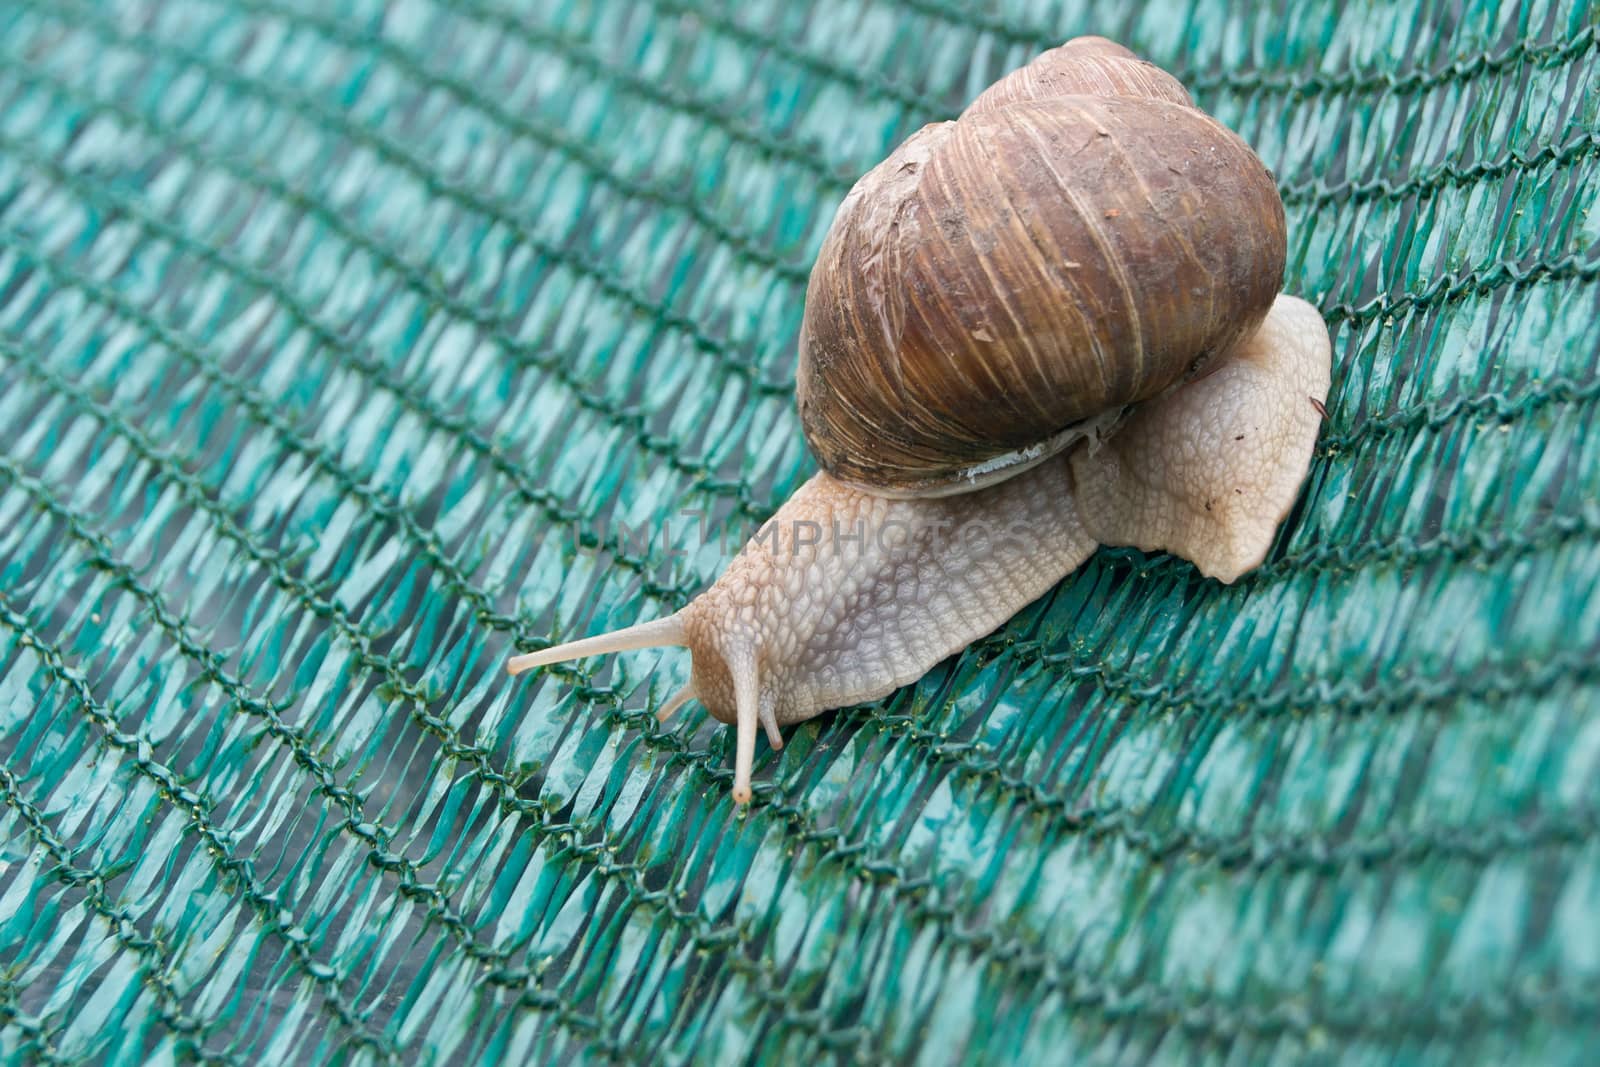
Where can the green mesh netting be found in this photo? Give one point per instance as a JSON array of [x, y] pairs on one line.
[[346, 347]]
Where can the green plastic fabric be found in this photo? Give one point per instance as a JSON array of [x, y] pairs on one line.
[[346, 348]]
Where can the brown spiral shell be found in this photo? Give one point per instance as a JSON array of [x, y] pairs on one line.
[[1079, 240]]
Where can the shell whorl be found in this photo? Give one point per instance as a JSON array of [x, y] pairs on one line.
[[1079, 240], [1084, 66]]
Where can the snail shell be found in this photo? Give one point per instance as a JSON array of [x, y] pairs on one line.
[[1081, 239]]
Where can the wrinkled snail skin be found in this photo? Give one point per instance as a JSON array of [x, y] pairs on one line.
[[1210, 470], [846, 596], [1000, 373]]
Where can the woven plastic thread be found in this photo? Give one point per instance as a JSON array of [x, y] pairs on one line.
[[346, 347]]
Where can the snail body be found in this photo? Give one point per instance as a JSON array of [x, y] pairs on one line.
[[1049, 325]]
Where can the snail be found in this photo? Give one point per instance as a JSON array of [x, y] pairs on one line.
[[1051, 324]]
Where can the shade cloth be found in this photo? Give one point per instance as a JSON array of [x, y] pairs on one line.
[[347, 347]]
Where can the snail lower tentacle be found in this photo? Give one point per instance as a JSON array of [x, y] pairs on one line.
[[845, 596]]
